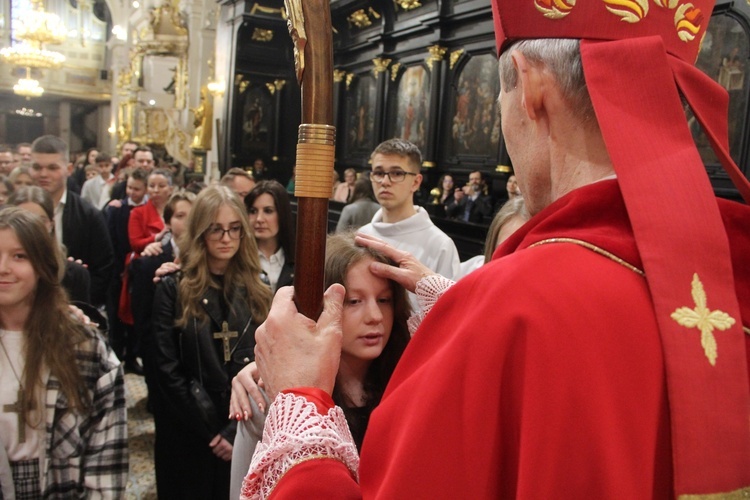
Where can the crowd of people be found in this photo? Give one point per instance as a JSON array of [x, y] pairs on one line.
[[225, 250]]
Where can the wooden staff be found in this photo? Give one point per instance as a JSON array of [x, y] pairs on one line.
[[309, 24]]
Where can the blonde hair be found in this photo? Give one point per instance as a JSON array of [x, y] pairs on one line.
[[243, 270]]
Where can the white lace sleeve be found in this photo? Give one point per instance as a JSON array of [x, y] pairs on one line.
[[295, 432], [428, 290]]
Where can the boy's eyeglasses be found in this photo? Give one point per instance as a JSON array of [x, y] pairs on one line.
[[394, 176]]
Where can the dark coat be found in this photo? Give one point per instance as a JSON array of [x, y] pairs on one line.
[[188, 359], [86, 238], [480, 210], [286, 278], [193, 353], [117, 227]]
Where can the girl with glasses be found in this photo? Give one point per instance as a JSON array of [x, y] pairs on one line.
[[204, 323]]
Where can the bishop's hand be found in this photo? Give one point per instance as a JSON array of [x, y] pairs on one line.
[[292, 350]]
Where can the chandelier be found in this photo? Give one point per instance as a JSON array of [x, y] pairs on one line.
[[28, 87], [26, 54], [35, 29], [41, 27]]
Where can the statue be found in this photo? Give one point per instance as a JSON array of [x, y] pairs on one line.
[[204, 114]]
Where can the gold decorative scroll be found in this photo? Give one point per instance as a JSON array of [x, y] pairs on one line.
[[375, 15], [339, 75], [395, 67], [349, 78], [360, 19], [262, 35], [381, 64], [455, 56], [265, 10], [296, 25], [437, 53], [276, 85], [408, 4]]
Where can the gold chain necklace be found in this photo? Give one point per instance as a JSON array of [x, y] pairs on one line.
[[16, 407]]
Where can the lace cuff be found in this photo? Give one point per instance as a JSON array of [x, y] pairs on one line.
[[428, 290], [295, 432]]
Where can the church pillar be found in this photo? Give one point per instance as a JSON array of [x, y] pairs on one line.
[[436, 63], [339, 75], [64, 115], [381, 73]]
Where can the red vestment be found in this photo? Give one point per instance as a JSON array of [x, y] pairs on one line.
[[541, 375]]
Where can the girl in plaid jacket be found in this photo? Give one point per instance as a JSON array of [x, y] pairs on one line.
[[63, 422]]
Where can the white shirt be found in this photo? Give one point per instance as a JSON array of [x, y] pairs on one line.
[[59, 217], [421, 238], [9, 384], [272, 267]]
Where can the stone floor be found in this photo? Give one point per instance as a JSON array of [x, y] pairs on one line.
[[142, 481]]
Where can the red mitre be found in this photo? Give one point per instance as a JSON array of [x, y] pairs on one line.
[[638, 59]]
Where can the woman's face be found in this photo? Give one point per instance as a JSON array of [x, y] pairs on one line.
[[178, 222], [17, 276], [264, 218], [512, 186], [367, 318], [447, 183], [91, 158], [223, 239], [23, 180], [3, 194], [35, 209], [159, 189]]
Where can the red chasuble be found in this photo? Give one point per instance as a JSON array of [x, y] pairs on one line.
[[541, 375]]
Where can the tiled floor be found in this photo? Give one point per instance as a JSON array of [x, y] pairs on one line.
[[141, 482]]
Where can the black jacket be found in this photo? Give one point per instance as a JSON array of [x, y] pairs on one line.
[[86, 237], [189, 355], [479, 210]]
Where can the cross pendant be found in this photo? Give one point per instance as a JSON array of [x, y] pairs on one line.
[[17, 408], [225, 335]]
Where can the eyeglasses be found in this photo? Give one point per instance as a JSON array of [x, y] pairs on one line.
[[215, 233], [395, 176]]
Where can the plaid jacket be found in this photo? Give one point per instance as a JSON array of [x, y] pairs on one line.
[[87, 455]]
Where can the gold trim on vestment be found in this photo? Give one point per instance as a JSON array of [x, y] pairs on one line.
[[741, 494], [593, 248]]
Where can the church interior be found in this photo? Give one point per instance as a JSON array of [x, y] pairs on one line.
[[211, 85]]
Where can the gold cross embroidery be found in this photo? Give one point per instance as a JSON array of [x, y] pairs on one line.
[[703, 319], [225, 335]]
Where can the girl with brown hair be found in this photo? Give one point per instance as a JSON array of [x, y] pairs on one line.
[[63, 425]]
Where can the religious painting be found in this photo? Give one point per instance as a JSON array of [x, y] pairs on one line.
[[724, 57], [475, 123], [412, 107], [257, 118], [361, 99]]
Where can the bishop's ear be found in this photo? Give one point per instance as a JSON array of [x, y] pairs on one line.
[[530, 83]]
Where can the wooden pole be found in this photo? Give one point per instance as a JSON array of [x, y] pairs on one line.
[[310, 28]]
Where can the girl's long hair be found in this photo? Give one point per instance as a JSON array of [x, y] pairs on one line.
[[341, 255], [50, 331], [243, 270]]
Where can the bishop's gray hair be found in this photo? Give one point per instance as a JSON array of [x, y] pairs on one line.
[[562, 57]]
